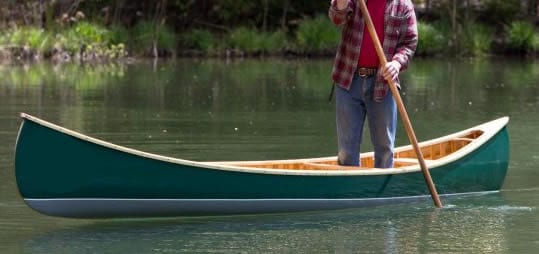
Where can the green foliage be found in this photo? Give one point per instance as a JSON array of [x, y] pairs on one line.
[[477, 40], [66, 41], [317, 34], [118, 34], [254, 41], [250, 13], [145, 33], [245, 39], [37, 38], [257, 26], [233, 10], [199, 39], [91, 37], [499, 11], [82, 34], [521, 36], [167, 38], [32, 37], [113, 51], [431, 40], [89, 33], [273, 42]]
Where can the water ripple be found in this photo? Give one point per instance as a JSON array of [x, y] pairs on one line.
[[507, 208]]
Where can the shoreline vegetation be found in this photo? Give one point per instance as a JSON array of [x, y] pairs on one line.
[[106, 30]]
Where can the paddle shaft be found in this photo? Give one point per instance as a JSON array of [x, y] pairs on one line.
[[400, 106]]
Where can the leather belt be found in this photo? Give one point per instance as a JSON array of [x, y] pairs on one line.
[[366, 72]]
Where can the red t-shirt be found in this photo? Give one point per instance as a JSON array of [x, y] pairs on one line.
[[367, 55]]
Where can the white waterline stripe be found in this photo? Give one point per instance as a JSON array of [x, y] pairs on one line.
[[253, 199]]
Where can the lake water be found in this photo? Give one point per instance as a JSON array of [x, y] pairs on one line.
[[202, 109]]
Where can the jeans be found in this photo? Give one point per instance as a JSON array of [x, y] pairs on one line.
[[353, 106]]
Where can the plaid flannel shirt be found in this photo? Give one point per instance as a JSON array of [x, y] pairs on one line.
[[400, 40]]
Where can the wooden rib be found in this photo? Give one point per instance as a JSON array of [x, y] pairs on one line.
[[442, 149]]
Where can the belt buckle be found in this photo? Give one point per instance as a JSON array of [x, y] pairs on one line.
[[362, 72]]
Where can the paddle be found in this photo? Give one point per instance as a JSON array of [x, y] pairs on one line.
[[400, 106]]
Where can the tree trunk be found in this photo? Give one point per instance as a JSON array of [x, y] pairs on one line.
[[454, 24], [286, 4], [43, 14], [265, 17], [73, 8], [534, 8], [158, 22], [530, 8], [117, 12]]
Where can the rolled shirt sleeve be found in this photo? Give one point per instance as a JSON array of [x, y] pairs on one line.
[[339, 17]]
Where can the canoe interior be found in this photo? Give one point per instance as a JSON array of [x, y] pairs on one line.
[[403, 157]]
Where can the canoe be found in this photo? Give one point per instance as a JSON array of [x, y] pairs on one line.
[[64, 173]]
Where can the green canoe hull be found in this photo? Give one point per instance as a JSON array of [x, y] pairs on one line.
[[63, 175]]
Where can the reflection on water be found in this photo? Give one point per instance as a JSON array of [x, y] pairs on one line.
[[462, 228], [186, 107], [271, 109]]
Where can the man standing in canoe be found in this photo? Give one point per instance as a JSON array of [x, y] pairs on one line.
[[362, 91]]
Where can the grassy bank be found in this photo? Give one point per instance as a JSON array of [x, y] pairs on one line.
[[87, 41], [478, 40]]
